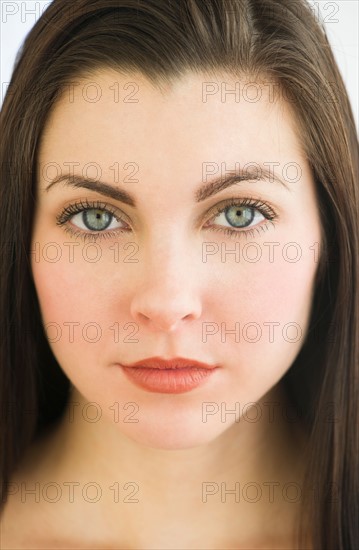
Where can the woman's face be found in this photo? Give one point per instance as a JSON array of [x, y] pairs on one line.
[[159, 262]]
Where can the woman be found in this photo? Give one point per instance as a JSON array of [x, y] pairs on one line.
[[179, 361]]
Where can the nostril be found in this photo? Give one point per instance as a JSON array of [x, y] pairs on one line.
[[165, 313]]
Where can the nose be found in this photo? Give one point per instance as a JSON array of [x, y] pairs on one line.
[[167, 294]]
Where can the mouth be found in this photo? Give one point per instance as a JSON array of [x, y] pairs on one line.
[[174, 376], [172, 364]]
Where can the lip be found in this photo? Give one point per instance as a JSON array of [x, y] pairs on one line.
[[176, 363], [178, 375]]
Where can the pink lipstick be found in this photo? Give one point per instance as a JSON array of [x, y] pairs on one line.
[[177, 375]]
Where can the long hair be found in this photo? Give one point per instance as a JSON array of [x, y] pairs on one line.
[[162, 39]]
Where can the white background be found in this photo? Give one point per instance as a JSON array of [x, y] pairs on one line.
[[340, 19]]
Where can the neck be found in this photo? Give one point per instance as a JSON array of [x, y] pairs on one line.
[[240, 475]]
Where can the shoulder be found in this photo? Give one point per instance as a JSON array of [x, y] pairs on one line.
[[26, 526], [31, 518], [26, 517]]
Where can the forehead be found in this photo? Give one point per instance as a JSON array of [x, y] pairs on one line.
[[113, 116]]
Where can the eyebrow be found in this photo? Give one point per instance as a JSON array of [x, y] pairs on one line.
[[207, 190]]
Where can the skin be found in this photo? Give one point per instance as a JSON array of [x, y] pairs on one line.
[[168, 295]]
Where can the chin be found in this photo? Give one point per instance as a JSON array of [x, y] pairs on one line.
[[171, 437]]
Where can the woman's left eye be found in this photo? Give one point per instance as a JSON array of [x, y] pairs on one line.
[[241, 215]]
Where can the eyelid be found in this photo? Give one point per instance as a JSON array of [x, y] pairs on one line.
[[78, 206], [264, 207]]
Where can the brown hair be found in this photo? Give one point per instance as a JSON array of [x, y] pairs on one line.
[[162, 39]]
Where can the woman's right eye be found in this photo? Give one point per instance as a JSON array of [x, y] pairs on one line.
[[91, 220], [95, 219]]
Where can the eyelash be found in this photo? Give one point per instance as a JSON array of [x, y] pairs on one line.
[[81, 206], [264, 208], [69, 211]]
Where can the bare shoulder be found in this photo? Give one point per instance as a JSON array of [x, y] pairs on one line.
[[27, 520], [20, 519], [32, 518], [26, 526]]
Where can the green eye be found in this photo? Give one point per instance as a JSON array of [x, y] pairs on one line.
[[96, 219], [91, 219], [239, 216]]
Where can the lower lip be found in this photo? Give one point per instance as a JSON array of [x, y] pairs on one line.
[[167, 380]]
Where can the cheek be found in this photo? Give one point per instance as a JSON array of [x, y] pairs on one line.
[[78, 307], [263, 313], [77, 281]]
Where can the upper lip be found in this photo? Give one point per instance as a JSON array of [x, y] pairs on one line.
[[176, 363]]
